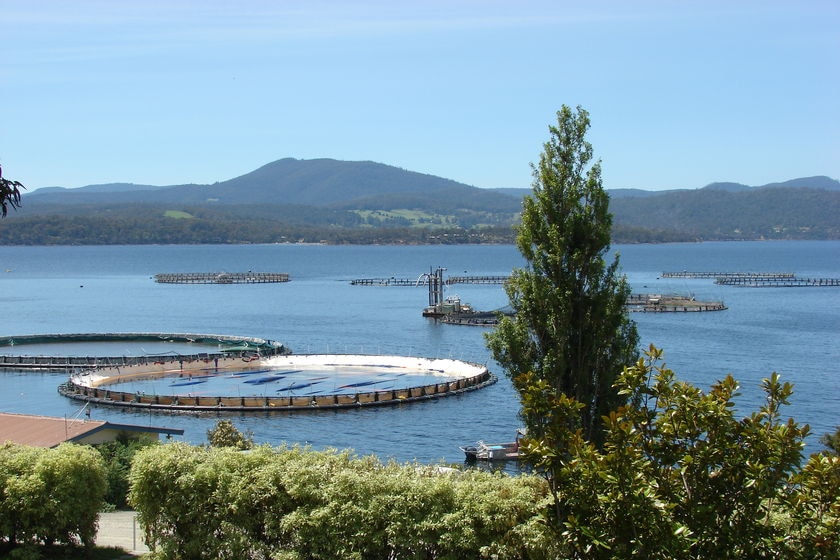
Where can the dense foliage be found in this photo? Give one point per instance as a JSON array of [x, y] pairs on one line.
[[146, 227], [832, 441], [208, 502], [116, 458], [641, 220], [49, 496], [570, 331], [680, 476], [225, 434]]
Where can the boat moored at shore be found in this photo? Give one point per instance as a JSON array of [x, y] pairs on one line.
[[482, 451]]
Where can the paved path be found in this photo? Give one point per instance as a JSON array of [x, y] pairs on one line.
[[120, 529]]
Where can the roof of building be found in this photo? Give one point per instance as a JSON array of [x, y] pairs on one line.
[[48, 431]]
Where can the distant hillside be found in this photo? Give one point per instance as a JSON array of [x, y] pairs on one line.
[[318, 182], [367, 202], [819, 182], [763, 213], [95, 189]]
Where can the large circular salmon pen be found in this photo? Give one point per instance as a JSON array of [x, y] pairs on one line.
[[280, 382]]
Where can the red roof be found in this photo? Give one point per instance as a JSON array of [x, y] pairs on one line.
[[48, 431], [43, 431]]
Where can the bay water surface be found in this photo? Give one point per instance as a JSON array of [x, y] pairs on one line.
[[103, 289]]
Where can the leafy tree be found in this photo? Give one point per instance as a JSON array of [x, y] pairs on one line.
[[117, 456], [680, 476], [570, 335], [719, 475], [832, 441], [9, 194], [225, 434], [812, 511]]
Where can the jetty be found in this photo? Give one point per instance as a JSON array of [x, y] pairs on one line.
[[221, 277], [388, 282], [758, 279], [477, 279], [791, 282], [424, 279], [753, 275]]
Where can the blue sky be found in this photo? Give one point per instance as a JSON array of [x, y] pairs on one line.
[[680, 93]]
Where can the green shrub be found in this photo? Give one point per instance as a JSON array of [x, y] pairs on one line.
[[297, 503], [50, 495]]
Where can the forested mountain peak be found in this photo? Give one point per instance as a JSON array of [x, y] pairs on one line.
[[368, 202]]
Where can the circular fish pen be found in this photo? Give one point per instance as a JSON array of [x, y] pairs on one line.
[[77, 352], [281, 382]]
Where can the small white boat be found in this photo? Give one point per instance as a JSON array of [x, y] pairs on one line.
[[481, 451]]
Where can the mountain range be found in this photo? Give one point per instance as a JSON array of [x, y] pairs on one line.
[[318, 182], [363, 201]]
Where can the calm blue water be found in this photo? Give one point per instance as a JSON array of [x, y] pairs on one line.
[[793, 331]]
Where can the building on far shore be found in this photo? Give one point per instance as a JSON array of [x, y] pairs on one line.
[[48, 431]]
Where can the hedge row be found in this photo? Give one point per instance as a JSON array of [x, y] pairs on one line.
[[296, 503], [50, 496]]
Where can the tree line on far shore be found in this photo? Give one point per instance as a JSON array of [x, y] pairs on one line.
[[155, 228]]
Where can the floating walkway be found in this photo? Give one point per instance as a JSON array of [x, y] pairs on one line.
[[221, 277], [388, 282], [758, 279], [225, 346], [755, 279], [689, 274], [792, 282], [424, 281], [477, 279]]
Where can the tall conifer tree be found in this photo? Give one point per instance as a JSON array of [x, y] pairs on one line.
[[570, 335]]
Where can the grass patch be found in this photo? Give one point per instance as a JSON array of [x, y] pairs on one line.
[[406, 218], [178, 215]]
